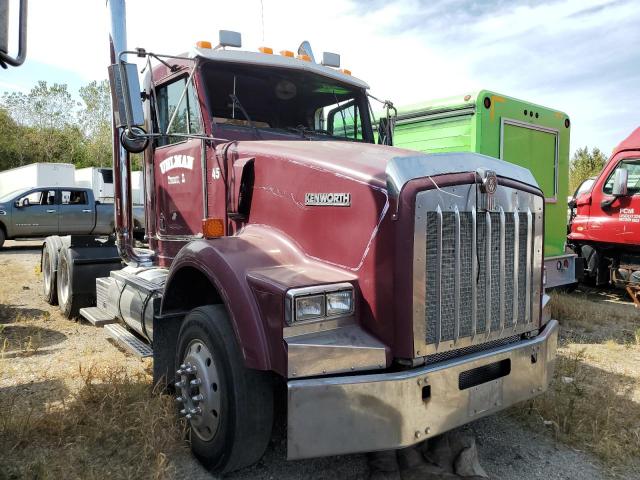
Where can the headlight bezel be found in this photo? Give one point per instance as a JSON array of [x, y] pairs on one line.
[[294, 294]]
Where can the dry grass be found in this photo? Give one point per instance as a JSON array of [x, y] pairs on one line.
[[112, 427], [594, 400]]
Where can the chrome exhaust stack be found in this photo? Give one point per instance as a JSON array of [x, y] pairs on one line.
[[121, 159]]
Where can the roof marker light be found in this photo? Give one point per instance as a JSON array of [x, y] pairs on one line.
[[331, 59], [303, 57], [345, 71], [203, 44], [286, 53], [267, 50]]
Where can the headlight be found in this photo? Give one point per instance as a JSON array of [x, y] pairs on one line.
[[319, 302], [339, 303], [309, 307]]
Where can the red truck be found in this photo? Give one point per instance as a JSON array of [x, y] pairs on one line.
[[385, 295], [605, 218]]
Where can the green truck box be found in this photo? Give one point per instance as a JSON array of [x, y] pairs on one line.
[[513, 130]]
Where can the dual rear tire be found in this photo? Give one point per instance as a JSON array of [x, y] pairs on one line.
[[58, 278]]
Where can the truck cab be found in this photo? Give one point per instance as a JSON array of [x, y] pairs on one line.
[[388, 295], [605, 222]]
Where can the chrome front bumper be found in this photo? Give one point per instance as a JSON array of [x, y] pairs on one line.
[[364, 413]]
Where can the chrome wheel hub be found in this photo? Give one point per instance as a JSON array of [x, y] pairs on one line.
[[198, 390]]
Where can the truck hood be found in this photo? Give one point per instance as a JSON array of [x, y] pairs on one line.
[[380, 165]]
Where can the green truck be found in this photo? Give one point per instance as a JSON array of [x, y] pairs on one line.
[[514, 130]]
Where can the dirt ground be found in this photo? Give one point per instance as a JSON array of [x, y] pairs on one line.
[[72, 405]]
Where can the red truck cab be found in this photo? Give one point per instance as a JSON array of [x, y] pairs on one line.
[[605, 219]]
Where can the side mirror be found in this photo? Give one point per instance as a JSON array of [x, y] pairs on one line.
[[620, 179], [125, 95], [23, 202], [387, 124], [5, 20], [572, 203]]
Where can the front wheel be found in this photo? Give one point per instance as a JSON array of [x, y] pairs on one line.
[[229, 406]]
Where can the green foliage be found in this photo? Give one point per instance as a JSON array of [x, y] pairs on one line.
[[48, 125], [585, 164]]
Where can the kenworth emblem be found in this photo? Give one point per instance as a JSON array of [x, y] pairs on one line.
[[327, 199], [488, 187]]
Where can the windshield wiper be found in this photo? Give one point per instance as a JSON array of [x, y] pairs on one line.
[[236, 103]]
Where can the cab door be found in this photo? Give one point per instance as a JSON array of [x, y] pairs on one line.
[[35, 214], [619, 221], [75, 213], [179, 184]]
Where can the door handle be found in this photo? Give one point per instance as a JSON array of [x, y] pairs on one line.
[[51, 211], [86, 211]]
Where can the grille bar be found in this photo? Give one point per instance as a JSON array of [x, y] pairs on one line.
[[527, 316], [457, 275], [488, 262], [516, 261], [502, 267], [439, 278], [474, 273]]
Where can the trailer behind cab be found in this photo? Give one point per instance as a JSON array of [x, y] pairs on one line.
[[510, 129]]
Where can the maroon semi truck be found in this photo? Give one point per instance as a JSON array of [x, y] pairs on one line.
[[604, 226], [391, 295]]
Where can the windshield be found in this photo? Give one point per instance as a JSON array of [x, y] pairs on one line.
[[249, 102], [7, 197]]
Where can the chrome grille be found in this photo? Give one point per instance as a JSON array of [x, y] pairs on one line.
[[473, 269]]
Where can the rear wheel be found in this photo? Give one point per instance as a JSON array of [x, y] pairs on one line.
[[49, 264], [229, 407], [70, 301]]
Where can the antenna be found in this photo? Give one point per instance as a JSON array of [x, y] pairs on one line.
[[262, 17]]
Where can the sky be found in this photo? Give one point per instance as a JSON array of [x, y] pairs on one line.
[[578, 56]]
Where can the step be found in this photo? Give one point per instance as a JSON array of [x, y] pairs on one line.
[[96, 316], [127, 340]]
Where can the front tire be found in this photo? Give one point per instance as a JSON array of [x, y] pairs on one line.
[[229, 406], [3, 237]]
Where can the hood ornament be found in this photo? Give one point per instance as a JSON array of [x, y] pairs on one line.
[[487, 190]]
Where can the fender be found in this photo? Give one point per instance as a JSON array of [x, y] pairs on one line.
[[250, 273]]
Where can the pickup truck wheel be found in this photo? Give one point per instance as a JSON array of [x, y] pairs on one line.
[[49, 264], [2, 237], [70, 302], [229, 407]]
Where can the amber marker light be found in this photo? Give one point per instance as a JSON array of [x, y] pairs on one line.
[[212, 227], [303, 57], [345, 71], [203, 44], [267, 50], [286, 53]]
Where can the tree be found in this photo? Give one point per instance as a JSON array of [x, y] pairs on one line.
[[585, 164], [48, 116], [95, 118]]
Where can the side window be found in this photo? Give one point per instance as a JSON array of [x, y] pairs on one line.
[[633, 181], [342, 121], [34, 198], [74, 197], [187, 114]]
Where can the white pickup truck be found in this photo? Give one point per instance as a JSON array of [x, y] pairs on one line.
[[42, 211]]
